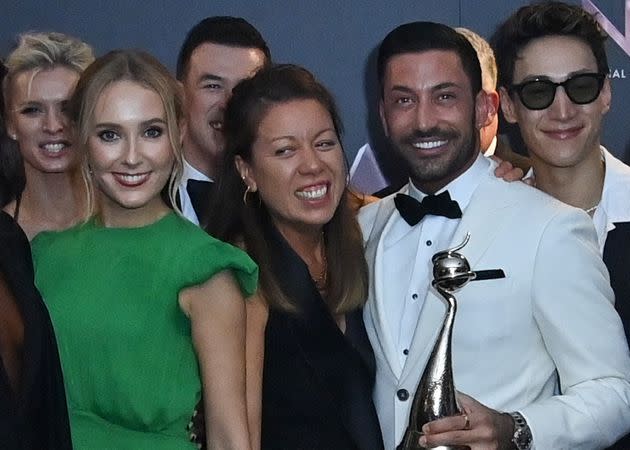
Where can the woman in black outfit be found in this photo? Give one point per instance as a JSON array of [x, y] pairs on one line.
[[283, 197]]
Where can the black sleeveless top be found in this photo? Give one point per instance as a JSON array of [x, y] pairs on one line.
[[317, 381]]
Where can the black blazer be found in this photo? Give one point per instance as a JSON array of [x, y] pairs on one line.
[[317, 381], [617, 259], [37, 418]]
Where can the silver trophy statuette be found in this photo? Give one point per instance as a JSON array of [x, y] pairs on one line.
[[435, 395]]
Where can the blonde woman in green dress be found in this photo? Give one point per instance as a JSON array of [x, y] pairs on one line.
[[148, 309]]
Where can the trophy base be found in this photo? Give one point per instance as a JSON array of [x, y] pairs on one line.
[[411, 439]]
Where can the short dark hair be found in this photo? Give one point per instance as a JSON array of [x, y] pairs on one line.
[[549, 18], [424, 36], [222, 30], [237, 222]]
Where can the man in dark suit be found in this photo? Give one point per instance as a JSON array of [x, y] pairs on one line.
[[539, 49], [217, 53]]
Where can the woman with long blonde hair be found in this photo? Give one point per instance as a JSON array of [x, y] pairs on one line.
[[148, 308]]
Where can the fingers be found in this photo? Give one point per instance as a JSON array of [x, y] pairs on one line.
[[507, 171], [447, 424], [475, 426]]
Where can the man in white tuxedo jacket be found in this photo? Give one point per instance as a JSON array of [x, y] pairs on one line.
[[540, 353]]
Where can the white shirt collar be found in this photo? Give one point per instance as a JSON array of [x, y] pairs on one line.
[[491, 148], [614, 206], [190, 173]]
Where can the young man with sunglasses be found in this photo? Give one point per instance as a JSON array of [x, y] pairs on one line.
[[553, 72]]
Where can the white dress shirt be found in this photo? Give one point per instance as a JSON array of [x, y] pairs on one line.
[[419, 243], [491, 148], [614, 205], [189, 173]]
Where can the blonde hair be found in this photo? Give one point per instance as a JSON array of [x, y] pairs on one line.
[[45, 51], [486, 58], [138, 67]]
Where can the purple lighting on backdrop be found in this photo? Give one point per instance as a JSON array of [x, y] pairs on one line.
[[623, 40]]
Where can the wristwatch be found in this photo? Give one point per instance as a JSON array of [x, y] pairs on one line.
[[522, 438]]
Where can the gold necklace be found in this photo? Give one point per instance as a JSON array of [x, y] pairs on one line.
[[322, 279]]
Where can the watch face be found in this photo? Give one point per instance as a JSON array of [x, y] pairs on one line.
[[523, 438]]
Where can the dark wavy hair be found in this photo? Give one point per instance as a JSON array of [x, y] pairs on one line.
[[549, 18], [245, 224]]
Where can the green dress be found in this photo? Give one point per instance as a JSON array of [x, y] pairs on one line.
[[131, 374]]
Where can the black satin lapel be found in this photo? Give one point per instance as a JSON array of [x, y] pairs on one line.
[[617, 259], [201, 201], [325, 348], [42, 395], [357, 336], [17, 266], [364, 425]]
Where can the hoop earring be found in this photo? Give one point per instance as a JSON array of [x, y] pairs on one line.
[[247, 191]]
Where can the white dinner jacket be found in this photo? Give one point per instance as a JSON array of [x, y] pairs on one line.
[[550, 319]]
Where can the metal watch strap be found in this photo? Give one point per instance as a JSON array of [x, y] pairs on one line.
[[522, 438]]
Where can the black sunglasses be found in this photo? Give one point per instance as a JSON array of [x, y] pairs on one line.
[[539, 93]]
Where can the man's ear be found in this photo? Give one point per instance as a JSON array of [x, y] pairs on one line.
[[182, 91], [493, 98], [10, 129], [381, 113], [606, 95], [484, 110], [507, 106], [245, 172]]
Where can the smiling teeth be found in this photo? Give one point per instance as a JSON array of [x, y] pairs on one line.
[[54, 148], [313, 194], [133, 178], [429, 144]]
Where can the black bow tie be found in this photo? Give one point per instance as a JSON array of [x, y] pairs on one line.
[[436, 205]]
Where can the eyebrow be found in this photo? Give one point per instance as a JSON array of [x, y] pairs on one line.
[[446, 85], [21, 105], [144, 123], [210, 77], [401, 88], [319, 133], [437, 87]]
